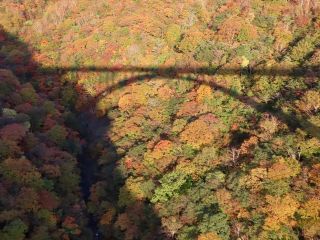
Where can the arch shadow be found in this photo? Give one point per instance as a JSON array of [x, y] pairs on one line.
[[195, 74]]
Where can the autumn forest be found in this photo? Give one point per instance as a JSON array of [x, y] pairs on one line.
[[159, 120]]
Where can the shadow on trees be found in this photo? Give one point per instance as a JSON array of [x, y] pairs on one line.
[[195, 75], [17, 56]]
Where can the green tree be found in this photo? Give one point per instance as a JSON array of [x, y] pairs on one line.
[[172, 184], [15, 230], [57, 134], [217, 223]]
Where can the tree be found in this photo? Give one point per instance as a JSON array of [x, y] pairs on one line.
[[172, 184], [135, 189], [21, 171], [314, 174], [173, 34], [172, 225], [199, 165], [57, 134], [284, 168], [309, 214], [217, 223], [209, 236], [204, 52], [70, 226], [28, 93], [161, 157], [310, 102], [13, 132], [15, 230], [27, 200], [190, 41], [230, 205], [280, 210], [202, 131], [48, 200], [204, 93], [269, 126], [107, 217]]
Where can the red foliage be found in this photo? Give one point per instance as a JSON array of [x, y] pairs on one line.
[[2, 36], [109, 52], [189, 109], [14, 132], [70, 224], [23, 108], [48, 123], [47, 200], [209, 118]]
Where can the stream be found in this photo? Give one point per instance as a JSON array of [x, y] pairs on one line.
[[93, 129]]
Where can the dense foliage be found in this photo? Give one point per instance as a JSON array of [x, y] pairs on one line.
[[232, 153]]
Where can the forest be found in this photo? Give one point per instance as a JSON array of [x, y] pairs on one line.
[[160, 120]]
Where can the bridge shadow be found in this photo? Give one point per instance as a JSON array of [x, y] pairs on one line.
[[195, 74], [175, 71], [100, 184]]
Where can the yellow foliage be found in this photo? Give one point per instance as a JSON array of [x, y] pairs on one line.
[[178, 125], [204, 92], [157, 114], [311, 209], [202, 131], [102, 106], [312, 229], [130, 127], [109, 26], [280, 210], [269, 126], [190, 40], [245, 62], [135, 96], [230, 28], [209, 236], [192, 168], [134, 187], [314, 174], [165, 92], [284, 168], [283, 37], [108, 216], [310, 102], [128, 101], [230, 205], [173, 34], [161, 156], [131, 192], [248, 144], [254, 180], [310, 146], [197, 134]]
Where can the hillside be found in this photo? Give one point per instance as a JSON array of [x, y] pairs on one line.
[[137, 119]]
